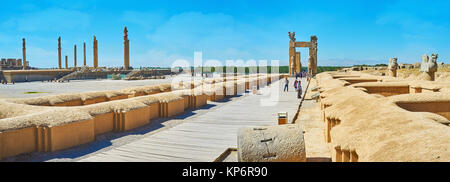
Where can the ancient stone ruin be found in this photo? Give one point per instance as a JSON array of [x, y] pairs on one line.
[[56, 122], [95, 52], [362, 113], [429, 66], [59, 53], [65, 72], [392, 67], [67, 63], [126, 45], [24, 55], [75, 56], [294, 57], [84, 54], [358, 114], [10, 64]]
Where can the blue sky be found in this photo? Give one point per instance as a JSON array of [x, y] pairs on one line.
[[349, 32]]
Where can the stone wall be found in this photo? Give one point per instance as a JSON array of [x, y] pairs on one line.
[[33, 75], [43, 75], [10, 64], [1, 76], [28, 125], [361, 126]]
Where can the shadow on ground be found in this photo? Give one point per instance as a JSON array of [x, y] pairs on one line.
[[104, 141]]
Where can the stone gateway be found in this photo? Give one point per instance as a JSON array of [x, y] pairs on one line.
[[294, 57]]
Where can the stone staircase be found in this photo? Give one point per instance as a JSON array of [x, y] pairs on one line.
[[133, 74], [74, 75]]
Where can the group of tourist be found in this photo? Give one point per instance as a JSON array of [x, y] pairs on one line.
[[297, 86], [301, 74], [6, 82]]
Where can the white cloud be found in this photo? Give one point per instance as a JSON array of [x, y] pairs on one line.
[[414, 23], [48, 20], [146, 20], [40, 52], [193, 29], [38, 57], [156, 57], [5, 38], [219, 36]]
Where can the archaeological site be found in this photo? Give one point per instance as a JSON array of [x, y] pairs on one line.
[[358, 114], [223, 86]]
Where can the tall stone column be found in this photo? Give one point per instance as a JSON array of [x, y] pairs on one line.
[[84, 54], [126, 54], [59, 53], [75, 56], [292, 64], [24, 55], [67, 66], [298, 63], [313, 55], [292, 58], [95, 53], [310, 66]]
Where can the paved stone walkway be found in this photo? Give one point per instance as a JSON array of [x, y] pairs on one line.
[[207, 135]]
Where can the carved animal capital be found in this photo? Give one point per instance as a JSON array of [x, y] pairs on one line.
[[292, 36], [429, 64], [392, 64]]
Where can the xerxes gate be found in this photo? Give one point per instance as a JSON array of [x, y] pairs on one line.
[[294, 57]]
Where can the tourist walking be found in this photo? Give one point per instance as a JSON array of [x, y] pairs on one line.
[[299, 90], [286, 85], [295, 83]]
